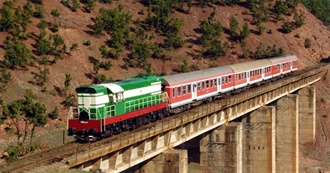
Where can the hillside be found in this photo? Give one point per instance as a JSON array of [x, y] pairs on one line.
[[74, 28]]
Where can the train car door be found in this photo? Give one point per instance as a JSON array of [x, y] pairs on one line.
[[194, 91], [219, 85]]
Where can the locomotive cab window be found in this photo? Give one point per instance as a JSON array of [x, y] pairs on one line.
[[112, 98], [120, 97], [173, 92]]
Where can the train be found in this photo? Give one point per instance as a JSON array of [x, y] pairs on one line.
[[108, 109]]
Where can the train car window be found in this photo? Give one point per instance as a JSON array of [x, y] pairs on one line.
[[198, 86], [222, 80], [237, 77], [203, 85], [229, 78], [189, 88], [179, 91], [184, 90], [211, 83], [215, 82], [207, 83], [173, 92]]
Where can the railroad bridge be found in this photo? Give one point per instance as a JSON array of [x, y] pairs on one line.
[[258, 130]]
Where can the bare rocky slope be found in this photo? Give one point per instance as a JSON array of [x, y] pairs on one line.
[[74, 29]]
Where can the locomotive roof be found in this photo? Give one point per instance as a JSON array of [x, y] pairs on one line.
[[139, 81], [195, 75], [121, 86], [242, 67], [281, 59]]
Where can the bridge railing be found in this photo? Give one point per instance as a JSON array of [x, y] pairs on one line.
[[196, 114]]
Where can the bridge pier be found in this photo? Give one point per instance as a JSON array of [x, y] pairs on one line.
[[221, 149], [287, 134], [170, 161], [259, 141], [307, 111]]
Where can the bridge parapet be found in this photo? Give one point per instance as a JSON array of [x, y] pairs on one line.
[[128, 149]]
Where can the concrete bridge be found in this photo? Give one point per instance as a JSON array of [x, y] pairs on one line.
[[255, 131]]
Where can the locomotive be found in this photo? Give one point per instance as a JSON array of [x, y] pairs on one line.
[[110, 108]]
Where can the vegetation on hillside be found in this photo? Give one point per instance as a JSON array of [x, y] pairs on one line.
[[320, 8]]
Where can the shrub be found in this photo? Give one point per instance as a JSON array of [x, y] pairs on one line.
[[69, 101], [54, 27], [87, 43], [42, 24], [307, 43], [39, 11], [106, 65], [287, 27], [100, 78], [54, 114]]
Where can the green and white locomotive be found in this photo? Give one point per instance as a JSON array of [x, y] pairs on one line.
[[109, 108]]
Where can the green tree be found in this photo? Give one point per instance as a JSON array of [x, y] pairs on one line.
[[100, 78], [299, 20], [245, 32], [106, 65], [54, 114], [24, 114], [184, 66], [307, 43], [43, 44], [39, 11], [69, 100], [73, 47], [36, 116], [42, 77], [16, 53], [55, 13], [287, 27], [7, 19], [216, 49], [89, 5], [75, 5], [67, 81], [233, 27], [320, 8]]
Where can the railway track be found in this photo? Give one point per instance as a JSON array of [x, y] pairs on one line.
[[58, 154], [42, 158]]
